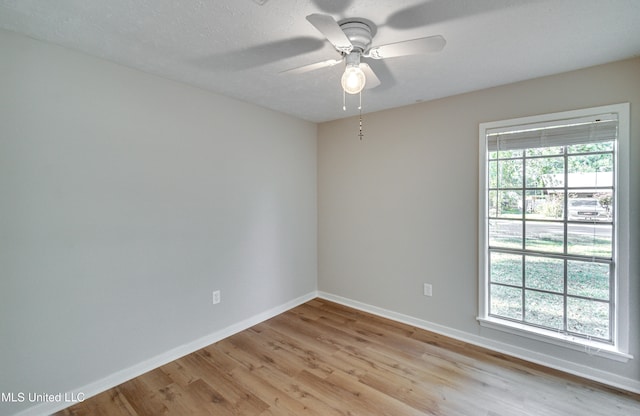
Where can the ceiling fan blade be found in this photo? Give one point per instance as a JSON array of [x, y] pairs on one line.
[[331, 30], [312, 67], [409, 47], [372, 79]]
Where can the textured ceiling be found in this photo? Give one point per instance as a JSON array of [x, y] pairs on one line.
[[239, 47]]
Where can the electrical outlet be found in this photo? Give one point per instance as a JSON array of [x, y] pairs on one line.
[[427, 289], [216, 297]]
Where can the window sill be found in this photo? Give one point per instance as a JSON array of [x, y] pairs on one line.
[[567, 341]]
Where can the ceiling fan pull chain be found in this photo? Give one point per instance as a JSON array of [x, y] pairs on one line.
[[344, 108], [360, 134]]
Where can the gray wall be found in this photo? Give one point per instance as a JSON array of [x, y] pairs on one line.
[[125, 200], [400, 207]]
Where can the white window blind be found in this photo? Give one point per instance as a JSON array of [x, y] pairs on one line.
[[595, 129]]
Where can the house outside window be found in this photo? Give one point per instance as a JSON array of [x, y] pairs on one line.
[[554, 228]]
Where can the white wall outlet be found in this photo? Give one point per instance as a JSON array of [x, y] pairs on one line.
[[216, 297], [427, 290]]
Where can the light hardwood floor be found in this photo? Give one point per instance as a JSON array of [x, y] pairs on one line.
[[325, 359]]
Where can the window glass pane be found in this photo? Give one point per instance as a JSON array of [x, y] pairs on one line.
[[588, 279], [544, 273], [545, 236], [590, 170], [506, 268], [505, 233], [509, 173], [588, 317], [587, 205], [492, 204], [545, 151], [605, 200], [590, 147], [509, 204], [505, 154], [545, 205], [506, 302], [545, 172], [544, 309], [590, 240], [493, 174]]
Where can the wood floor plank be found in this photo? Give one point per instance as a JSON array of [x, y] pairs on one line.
[[109, 403], [280, 392], [296, 355], [325, 359], [353, 396], [143, 399], [224, 392], [415, 393]]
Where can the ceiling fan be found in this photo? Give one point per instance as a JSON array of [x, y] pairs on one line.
[[352, 38]]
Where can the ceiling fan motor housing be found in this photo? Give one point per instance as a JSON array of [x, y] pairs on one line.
[[359, 33]]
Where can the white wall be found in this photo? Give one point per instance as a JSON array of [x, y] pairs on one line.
[[125, 200], [400, 207]]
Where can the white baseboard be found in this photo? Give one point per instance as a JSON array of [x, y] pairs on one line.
[[126, 374], [580, 370]]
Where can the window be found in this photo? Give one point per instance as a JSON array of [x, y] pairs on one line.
[[554, 228]]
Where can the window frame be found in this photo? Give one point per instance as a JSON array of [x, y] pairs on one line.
[[619, 348]]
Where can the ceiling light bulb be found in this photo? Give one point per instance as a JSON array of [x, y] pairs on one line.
[[353, 79]]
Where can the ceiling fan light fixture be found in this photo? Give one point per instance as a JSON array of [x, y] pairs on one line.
[[353, 79], [352, 38]]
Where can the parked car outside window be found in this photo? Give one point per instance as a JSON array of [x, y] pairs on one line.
[[587, 209]]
